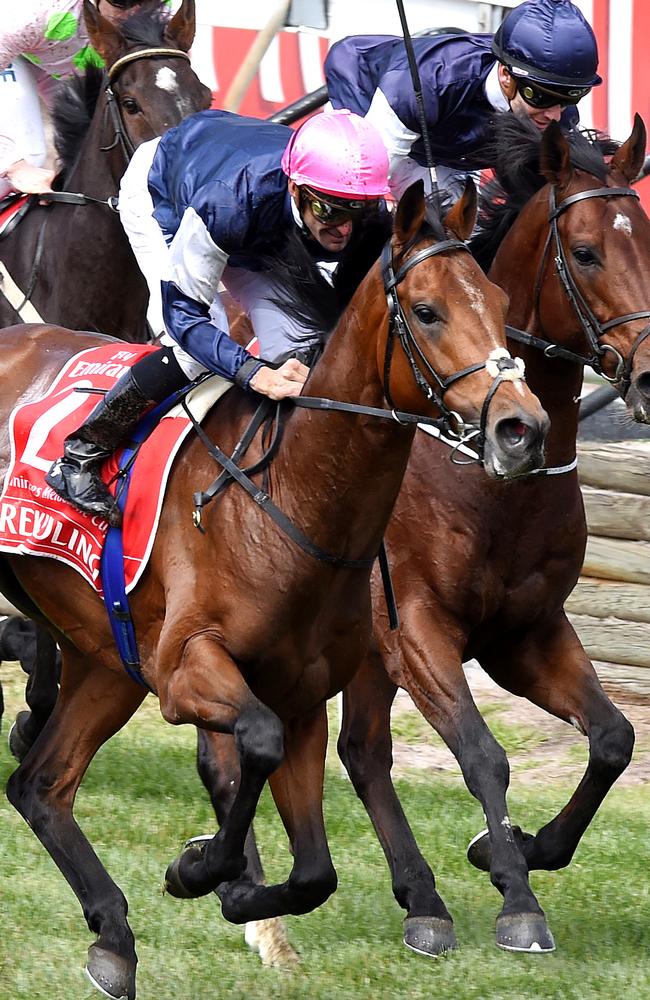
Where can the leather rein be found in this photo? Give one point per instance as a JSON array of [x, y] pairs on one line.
[[591, 326], [450, 421]]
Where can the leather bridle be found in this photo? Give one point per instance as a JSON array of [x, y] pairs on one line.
[[590, 325], [432, 385]]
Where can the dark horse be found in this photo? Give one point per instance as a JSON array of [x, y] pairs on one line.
[[74, 262], [240, 630], [482, 569]]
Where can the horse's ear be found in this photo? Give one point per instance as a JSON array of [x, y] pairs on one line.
[[104, 36], [180, 30], [555, 156], [410, 213], [629, 158], [461, 217]]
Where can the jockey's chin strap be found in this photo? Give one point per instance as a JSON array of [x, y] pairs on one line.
[[591, 326]]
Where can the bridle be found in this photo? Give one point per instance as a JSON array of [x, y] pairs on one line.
[[592, 328], [430, 383], [112, 104]]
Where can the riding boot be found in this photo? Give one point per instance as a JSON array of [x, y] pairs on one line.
[[75, 476]]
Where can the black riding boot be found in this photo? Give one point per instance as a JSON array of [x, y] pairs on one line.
[[75, 476]]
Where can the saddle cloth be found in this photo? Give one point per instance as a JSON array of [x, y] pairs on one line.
[[12, 209], [35, 520]]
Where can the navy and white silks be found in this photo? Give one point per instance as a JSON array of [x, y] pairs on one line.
[[369, 74], [201, 206]]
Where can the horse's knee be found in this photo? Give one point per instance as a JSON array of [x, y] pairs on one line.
[[310, 890], [362, 752], [259, 738], [611, 746]]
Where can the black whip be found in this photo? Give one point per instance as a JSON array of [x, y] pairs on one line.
[[417, 87]]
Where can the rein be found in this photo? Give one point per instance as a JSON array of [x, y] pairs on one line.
[[592, 328], [504, 367]]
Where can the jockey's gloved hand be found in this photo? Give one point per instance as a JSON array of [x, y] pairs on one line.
[[279, 383]]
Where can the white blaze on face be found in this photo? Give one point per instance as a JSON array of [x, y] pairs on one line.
[[621, 222], [474, 294], [166, 80]]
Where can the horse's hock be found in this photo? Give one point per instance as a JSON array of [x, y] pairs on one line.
[[610, 605]]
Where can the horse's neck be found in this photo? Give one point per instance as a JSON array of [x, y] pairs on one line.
[[345, 470], [97, 171]]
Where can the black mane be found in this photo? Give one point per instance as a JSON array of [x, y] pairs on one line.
[[516, 156], [77, 98], [307, 296]]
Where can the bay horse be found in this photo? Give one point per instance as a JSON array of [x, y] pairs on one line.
[[73, 261], [240, 630], [481, 569]]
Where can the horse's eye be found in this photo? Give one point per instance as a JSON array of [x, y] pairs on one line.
[[426, 315], [584, 256], [130, 106]]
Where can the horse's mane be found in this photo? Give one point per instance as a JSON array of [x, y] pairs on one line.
[[515, 153], [308, 297], [77, 98]]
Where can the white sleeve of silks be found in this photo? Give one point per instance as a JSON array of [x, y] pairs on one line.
[[22, 136], [195, 261], [397, 138]]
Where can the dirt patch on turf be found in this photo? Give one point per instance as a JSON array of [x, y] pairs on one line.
[[540, 748]]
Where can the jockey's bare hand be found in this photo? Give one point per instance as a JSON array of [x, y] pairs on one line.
[[278, 383], [27, 179]]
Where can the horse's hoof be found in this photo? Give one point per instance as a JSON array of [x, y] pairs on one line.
[[111, 975], [429, 936], [173, 884], [524, 932], [479, 849], [18, 745], [269, 939]]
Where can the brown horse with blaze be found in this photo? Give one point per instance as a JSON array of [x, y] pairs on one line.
[[240, 631]]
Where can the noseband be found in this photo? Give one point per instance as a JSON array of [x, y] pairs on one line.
[[431, 384], [112, 104], [592, 328]]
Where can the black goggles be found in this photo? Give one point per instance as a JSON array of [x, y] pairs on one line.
[[332, 210], [539, 97]]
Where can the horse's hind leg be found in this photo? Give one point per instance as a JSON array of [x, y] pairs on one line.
[[218, 767], [297, 788], [93, 704], [551, 669], [207, 689], [365, 747], [39, 658]]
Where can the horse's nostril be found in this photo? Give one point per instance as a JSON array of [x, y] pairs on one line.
[[513, 432], [643, 384]]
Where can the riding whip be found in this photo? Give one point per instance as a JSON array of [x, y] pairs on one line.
[[417, 87]]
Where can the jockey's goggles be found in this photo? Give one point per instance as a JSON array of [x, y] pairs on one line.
[[332, 210], [542, 97]]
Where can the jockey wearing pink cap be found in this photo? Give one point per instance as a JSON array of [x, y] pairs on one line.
[[211, 203]]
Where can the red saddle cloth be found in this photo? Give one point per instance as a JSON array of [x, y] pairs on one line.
[[34, 519], [14, 208]]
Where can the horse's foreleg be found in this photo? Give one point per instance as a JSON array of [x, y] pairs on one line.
[[365, 747], [552, 670], [297, 788], [208, 690], [433, 675], [94, 703], [218, 767]]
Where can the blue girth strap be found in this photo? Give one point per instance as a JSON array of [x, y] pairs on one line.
[[112, 561]]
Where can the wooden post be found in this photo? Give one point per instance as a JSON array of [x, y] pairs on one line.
[[251, 63]]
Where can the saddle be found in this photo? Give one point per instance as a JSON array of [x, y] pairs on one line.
[[13, 208]]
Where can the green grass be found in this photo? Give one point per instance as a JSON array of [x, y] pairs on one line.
[[142, 797]]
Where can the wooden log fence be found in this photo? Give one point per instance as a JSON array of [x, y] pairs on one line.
[[610, 605]]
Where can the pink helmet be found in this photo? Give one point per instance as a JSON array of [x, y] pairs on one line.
[[338, 153]]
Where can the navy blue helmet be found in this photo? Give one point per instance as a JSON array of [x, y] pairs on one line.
[[549, 42]]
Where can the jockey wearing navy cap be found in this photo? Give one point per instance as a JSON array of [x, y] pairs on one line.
[[542, 60]]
